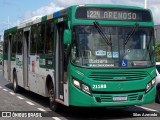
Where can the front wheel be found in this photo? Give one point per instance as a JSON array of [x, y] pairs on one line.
[[158, 95], [15, 83], [53, 104]]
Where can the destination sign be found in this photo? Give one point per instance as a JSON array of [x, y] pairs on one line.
[[113, 14]]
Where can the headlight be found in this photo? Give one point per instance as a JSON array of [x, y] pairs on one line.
[[153, 81], [150, 85], [85, 88], [76, 83]]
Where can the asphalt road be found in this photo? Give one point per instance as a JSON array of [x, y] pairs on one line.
[[25, 104]]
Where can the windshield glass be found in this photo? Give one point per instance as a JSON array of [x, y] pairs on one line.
[[90, 49]]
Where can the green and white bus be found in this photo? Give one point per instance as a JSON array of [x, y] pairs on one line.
[[84, 55]]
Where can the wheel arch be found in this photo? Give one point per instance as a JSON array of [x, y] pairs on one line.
[[49, 81], [14, 70]]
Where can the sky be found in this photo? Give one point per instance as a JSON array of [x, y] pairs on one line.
[[13, 12]]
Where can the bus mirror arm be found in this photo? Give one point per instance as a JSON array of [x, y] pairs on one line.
[[67, 37]]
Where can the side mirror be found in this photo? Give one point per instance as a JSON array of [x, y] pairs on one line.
[[67, 36]]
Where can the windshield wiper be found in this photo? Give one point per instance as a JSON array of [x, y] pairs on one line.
[[131, 34], [148, 48], [104, 36], [149, 41]]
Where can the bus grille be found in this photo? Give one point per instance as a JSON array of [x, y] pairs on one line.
[[118, 76]]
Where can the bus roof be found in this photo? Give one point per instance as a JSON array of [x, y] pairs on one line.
[[109, 5]]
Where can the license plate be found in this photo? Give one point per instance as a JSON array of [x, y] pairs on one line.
[[120, 98]]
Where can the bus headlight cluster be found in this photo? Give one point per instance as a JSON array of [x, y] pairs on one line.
[[150, 85], [85, 88]]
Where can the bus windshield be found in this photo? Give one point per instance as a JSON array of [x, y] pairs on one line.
[[89, 49]]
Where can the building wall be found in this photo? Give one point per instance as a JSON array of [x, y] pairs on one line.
[[157, 32]]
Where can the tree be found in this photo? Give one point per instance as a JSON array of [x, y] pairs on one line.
[[157, 50]]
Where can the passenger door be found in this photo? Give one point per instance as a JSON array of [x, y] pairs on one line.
[[26, 40], [61, 65]]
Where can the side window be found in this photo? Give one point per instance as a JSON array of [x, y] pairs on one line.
[[49, 37], [14, 39], [19, 41], [41, 38], [34, 37], [5, 44]]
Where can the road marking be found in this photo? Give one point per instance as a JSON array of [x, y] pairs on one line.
[[29, 103], [20, 97], [5, 89], [12, 93], [146, 108], [56, 118], [41, 109]]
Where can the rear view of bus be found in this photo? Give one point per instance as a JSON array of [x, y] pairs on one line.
[[112, 56]]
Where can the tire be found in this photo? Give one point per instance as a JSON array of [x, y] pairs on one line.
[[15, 83], [54, 106]]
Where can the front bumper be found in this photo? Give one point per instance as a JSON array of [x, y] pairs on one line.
[[79, 98]]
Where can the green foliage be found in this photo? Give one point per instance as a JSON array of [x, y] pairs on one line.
[[157, 50]]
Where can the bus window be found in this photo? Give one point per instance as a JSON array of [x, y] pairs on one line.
[[5, 43], [41, 37], [34, 36], [13, 39], [19, 42], [49, 37]]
